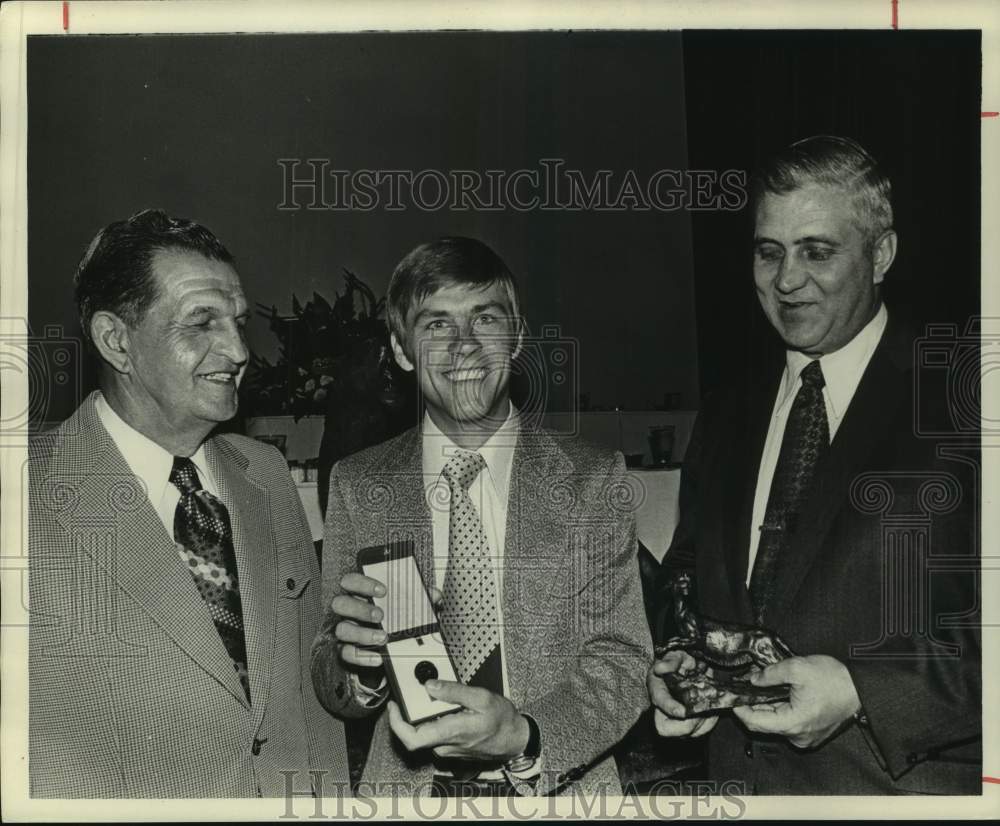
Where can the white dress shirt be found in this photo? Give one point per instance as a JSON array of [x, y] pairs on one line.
[[842, 371], [151, 464]]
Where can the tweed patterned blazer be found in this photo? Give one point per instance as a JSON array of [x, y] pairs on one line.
[[131, 691], [576, 639]]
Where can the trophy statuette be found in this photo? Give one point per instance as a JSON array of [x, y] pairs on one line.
[[726, 655]]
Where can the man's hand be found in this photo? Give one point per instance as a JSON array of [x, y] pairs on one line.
[[352, 606], [823, 696], [669, 715], [488, 729]]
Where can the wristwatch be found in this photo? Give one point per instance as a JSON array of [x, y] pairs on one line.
[[527, 758]]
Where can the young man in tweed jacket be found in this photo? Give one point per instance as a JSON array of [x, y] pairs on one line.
[[560, 679]]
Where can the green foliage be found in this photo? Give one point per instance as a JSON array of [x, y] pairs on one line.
[[325, 352]]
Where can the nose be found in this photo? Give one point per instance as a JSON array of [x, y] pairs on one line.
[[232, 345], [464, 340], [791, 275]]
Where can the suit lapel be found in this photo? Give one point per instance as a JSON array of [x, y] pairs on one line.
[[864, 426], [141, 557], [253, 541], [406, 514], [536, 519]]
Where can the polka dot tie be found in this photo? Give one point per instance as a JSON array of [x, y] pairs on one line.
[[468, 612], [805, 441], [204, 539]]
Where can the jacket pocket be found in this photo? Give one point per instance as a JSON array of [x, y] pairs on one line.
[[293, 580]]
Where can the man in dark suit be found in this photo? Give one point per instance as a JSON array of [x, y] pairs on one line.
[[810, 507], [531, 556], [174, 588]]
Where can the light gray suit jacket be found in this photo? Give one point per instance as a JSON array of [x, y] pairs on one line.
[[131, 690], [576, 639]]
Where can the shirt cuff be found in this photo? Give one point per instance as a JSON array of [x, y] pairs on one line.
[[533, 771]]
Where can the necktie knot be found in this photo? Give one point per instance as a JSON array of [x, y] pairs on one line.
[[812, 376], [184, 475], [463, 468]]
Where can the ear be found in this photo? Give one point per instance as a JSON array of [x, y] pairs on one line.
[[883, 254], [400, 355], [110, 336]]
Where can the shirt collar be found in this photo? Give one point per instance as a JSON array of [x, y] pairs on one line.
[[146, 459], [843, 368], [497, 451]]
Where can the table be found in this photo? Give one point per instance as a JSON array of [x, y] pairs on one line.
[[655, 493]]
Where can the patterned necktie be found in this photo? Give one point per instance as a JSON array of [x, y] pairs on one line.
[[468, 611], [205, 542], [806, 440]]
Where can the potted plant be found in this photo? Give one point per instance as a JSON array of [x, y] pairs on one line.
[[334, 361]]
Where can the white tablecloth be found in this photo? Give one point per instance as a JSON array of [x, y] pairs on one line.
[[655, 494]]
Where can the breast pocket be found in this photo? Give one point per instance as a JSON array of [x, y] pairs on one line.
[[293, 580]]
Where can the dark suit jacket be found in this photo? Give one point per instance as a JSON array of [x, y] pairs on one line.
[[131, 690], [576, 638], [882, 503]]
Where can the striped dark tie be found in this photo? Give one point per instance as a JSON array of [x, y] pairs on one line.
[[805, 442]]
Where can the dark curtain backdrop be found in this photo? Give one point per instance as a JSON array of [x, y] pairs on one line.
[[911, 98], [196, 125], [658, 302]]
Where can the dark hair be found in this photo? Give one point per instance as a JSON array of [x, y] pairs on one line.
[[831, 161], [116, 271], [443, 263]]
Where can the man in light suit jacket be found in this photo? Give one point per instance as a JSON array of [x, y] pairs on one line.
[[174, 588], [559, 679], [810, 506]]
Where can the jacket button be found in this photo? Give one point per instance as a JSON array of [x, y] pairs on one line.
[[290, 584], [748, 749], [256, 746]]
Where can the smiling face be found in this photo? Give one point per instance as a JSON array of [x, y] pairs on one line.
[[187, 355], [816, 279], [460, 340]]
